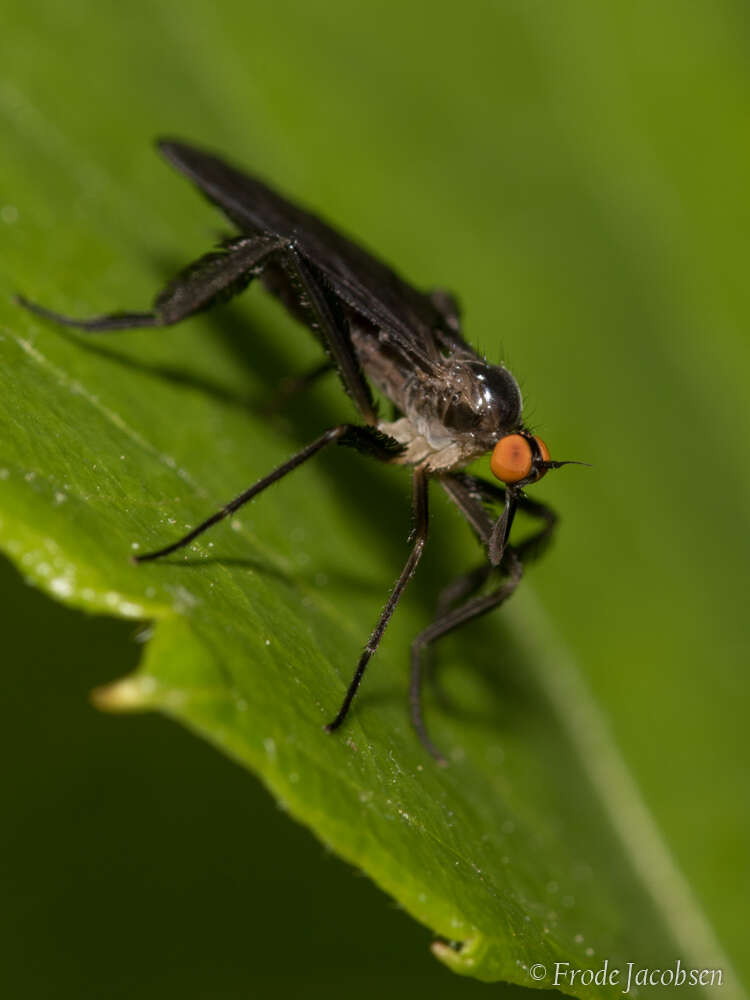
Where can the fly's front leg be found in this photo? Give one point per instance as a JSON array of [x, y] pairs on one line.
[[462, 587], [211, 279], [536, 544], [419, 536], [471, 495], [456, 591], [452, 619]]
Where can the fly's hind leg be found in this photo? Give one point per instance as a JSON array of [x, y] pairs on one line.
[[213, 278], [225, 272]]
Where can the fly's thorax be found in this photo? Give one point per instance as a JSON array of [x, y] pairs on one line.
[[454, 414], [465, 402]]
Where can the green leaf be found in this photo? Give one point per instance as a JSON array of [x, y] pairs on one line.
[[534, 846]]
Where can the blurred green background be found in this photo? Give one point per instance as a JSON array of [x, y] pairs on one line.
[[577, 172]]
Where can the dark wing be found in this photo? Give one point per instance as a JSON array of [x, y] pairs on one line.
[[415, 320]]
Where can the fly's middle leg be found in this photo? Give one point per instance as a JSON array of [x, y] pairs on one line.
[[364, 439]]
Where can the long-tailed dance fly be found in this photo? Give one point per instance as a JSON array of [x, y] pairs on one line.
[[450, 404]]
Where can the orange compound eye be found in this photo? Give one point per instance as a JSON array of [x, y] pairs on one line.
[[511, 458], [543, 449]]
